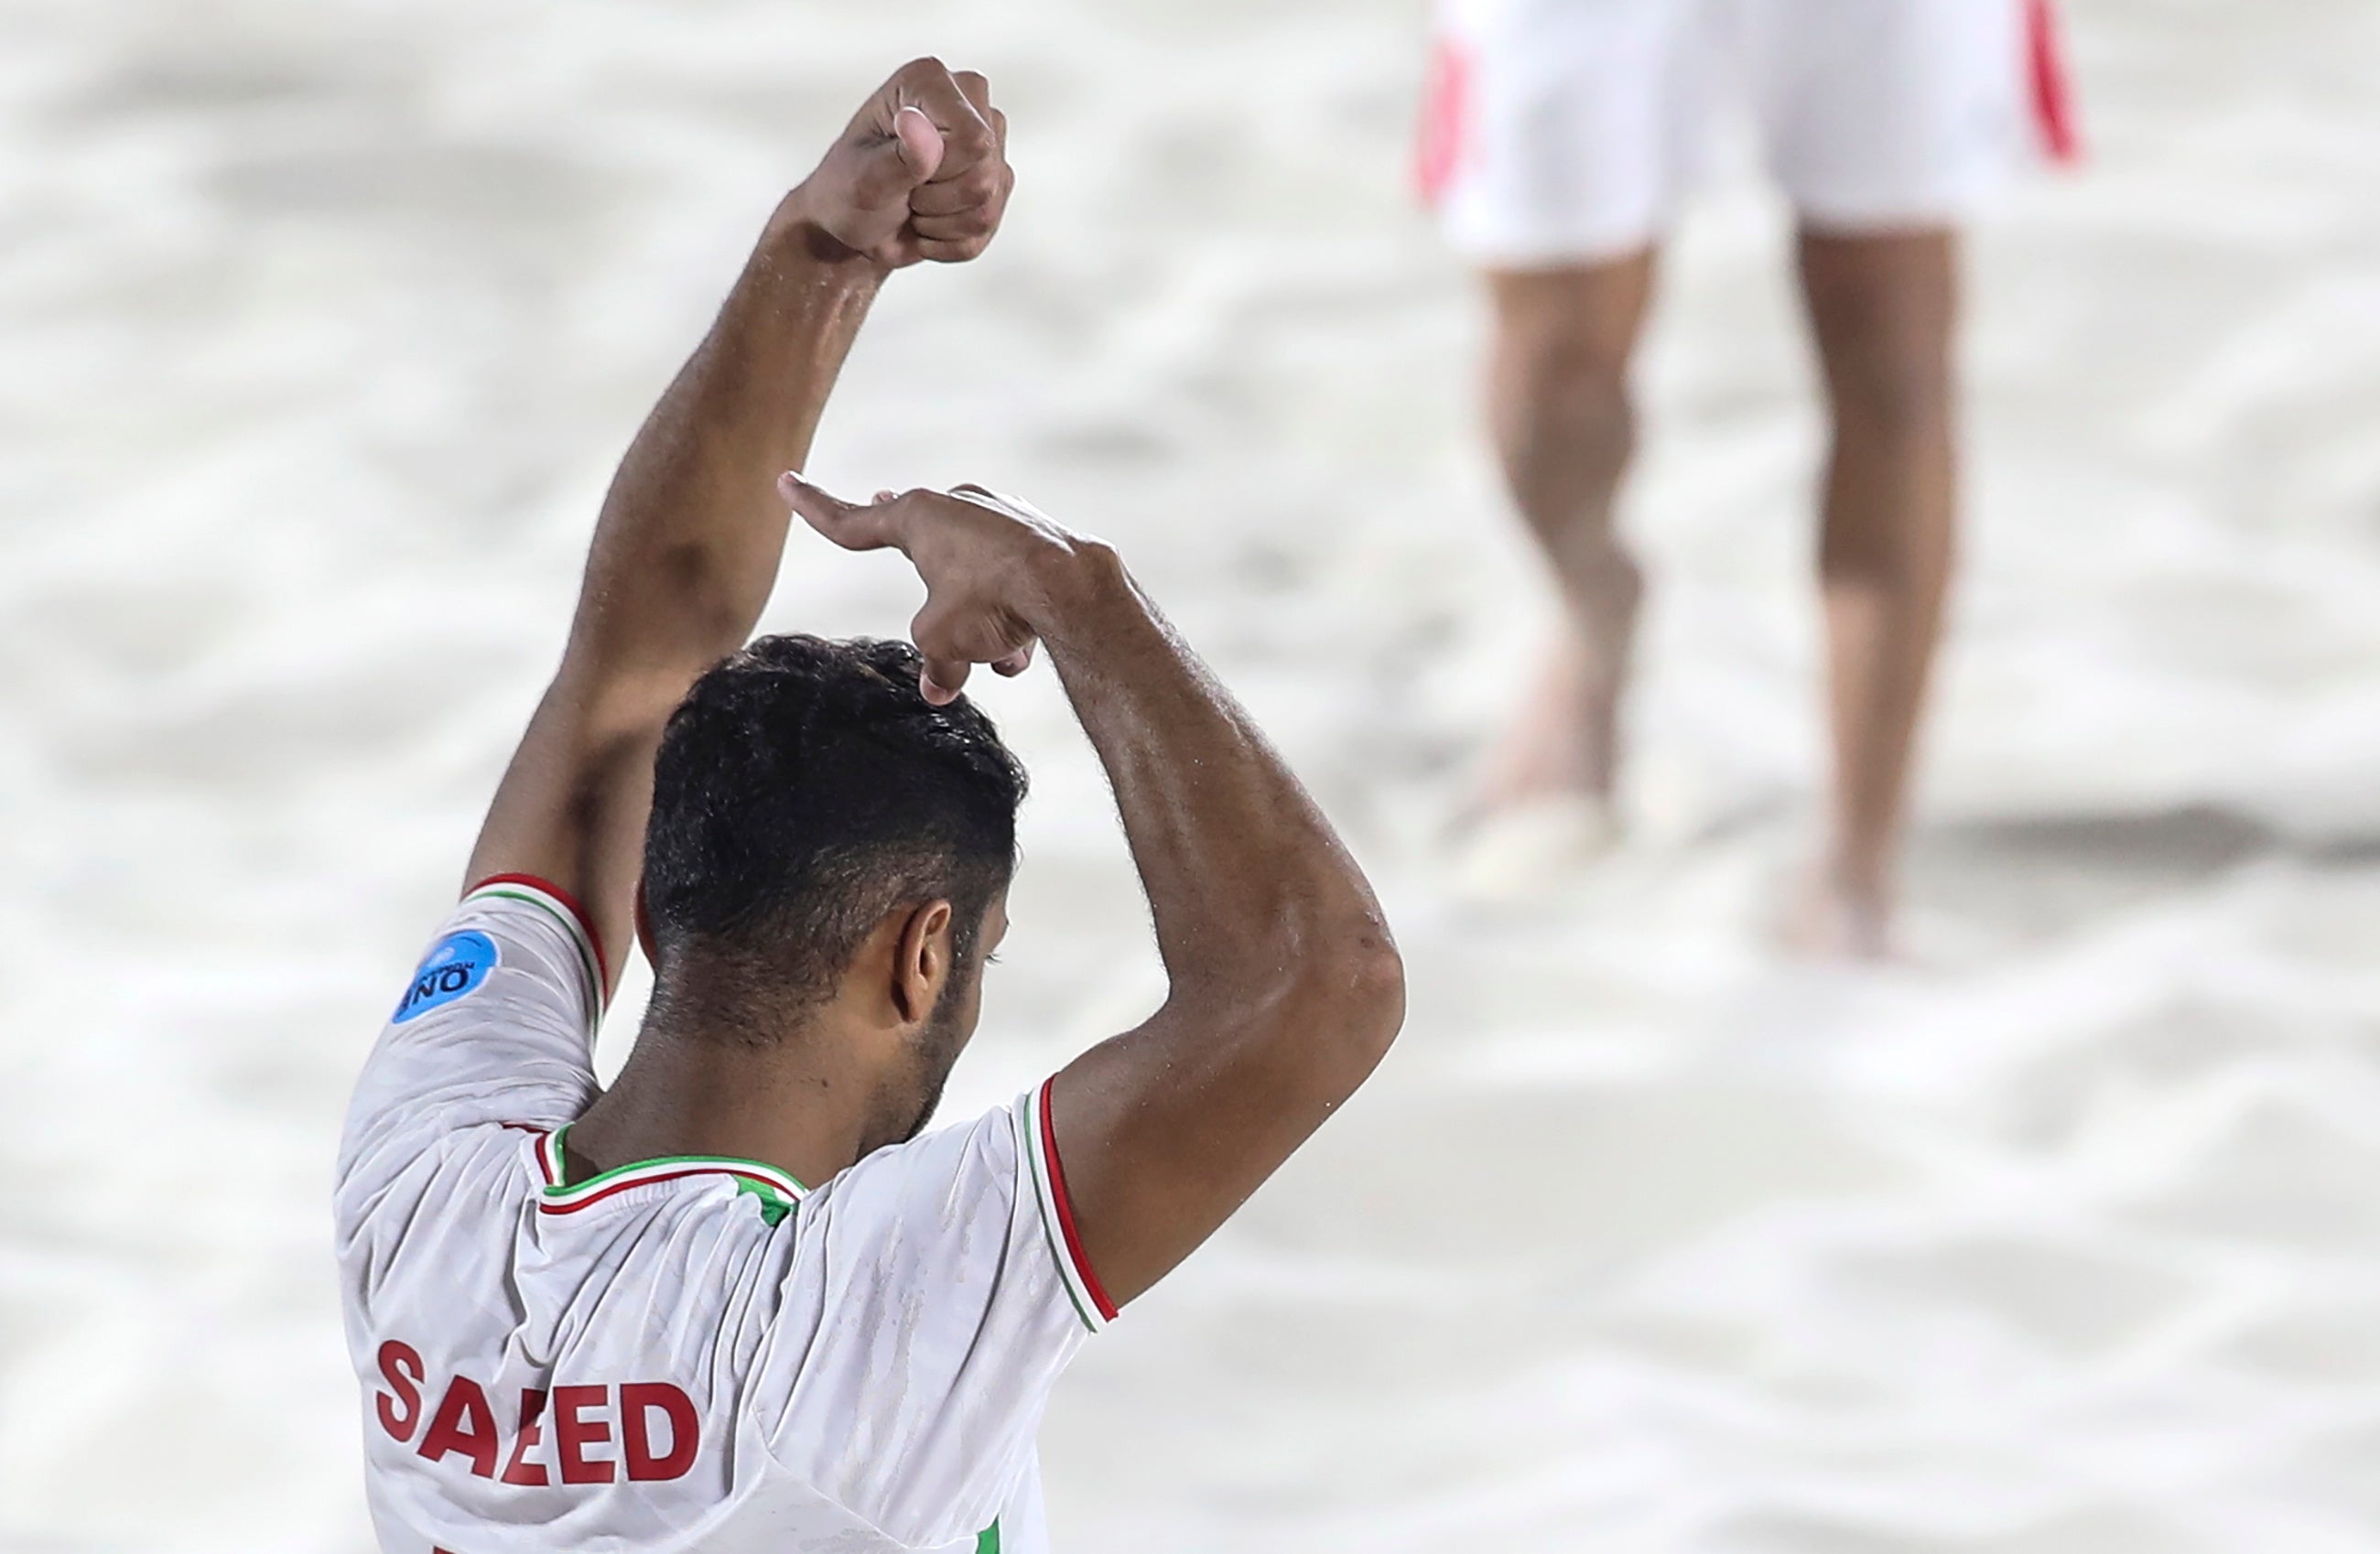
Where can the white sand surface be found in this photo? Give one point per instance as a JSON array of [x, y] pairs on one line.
[[323, 320]]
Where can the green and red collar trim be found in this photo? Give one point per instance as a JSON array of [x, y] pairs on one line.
[[777, 1190]]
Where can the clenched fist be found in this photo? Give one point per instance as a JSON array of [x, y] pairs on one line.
[[921, 173]]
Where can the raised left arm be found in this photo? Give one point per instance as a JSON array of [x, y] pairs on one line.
[[687, 549]]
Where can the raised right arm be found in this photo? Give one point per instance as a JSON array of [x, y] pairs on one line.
[[1284, 987], [687, 549]]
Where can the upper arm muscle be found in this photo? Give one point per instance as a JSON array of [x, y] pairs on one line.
[[572, 805], [1165, 1131]]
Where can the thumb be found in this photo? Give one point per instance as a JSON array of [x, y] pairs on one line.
[[920, 143], [894, 167], [854, 528]]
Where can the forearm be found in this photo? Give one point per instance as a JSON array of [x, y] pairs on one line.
[[688, 546], [684, 555], [1249, 887], [1284, 987]]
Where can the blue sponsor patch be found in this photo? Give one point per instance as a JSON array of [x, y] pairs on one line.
[[454, 969]]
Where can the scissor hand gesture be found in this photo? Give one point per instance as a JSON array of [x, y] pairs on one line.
[[990, 565]]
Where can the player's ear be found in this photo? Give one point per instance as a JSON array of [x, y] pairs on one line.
[[921, 962]]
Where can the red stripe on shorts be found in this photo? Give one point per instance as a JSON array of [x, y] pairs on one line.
[[2053, 83], [1445, 115]]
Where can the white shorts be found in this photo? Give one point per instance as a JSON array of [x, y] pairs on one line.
[[1561, 130]]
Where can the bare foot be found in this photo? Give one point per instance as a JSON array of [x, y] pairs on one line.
[[1831, 917], [1525, 851], [1546, 809], [1549, 748], [1565, 742]]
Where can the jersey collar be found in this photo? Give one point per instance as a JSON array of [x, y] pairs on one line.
[[777, 1190]]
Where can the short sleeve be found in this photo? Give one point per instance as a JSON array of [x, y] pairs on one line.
[[938, 1295], [496, 1025]]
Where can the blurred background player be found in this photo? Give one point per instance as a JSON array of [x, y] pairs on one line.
[[1560, 137]]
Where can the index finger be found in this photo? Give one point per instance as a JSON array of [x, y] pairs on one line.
[[976, 89], [852, 527]]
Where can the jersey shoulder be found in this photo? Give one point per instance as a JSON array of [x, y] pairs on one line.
[[495, 1025], [935, 1262]]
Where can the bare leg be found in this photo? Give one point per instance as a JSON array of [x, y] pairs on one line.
[[1564, 427], [1884, 309]]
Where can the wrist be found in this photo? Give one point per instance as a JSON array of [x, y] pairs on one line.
[[1071, 581], [795, 234]]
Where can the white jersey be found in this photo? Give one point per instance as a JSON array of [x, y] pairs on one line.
[[684, 1354]]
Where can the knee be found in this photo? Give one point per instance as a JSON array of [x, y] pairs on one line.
[[1894, 536], [1888, 359], [1890, 392]]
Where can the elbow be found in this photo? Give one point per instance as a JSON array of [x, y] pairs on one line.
[[1295, 1022], [1372, 974], [1308, 1009], [1346, 993]]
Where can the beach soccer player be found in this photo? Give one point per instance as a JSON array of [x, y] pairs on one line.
[[1559, 139], [742, 1301]]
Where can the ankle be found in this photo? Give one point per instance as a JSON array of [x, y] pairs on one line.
[[1859, 882]]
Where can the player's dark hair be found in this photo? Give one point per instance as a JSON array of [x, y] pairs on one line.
[[806, 788]]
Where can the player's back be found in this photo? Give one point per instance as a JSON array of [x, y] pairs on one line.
[[691, 1353]]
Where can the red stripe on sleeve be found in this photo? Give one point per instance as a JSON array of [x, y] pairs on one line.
[[1066, 1213], [585, 923]]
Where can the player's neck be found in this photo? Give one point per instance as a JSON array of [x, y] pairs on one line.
[[800, 1103]]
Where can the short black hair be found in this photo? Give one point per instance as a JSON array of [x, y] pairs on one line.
[[804, 789]]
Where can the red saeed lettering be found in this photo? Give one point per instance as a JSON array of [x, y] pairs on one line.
[[400, 1364], [520, 1470], [637, 1400], [464, 1423], [573, 1434]]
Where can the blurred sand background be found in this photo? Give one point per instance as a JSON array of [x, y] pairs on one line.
[[323, 322]]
